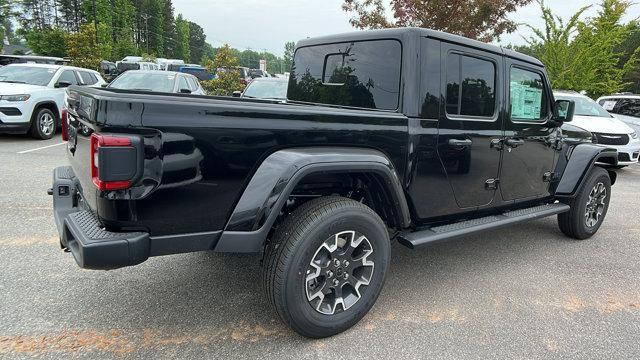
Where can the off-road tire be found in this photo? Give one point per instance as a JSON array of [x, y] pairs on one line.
[[295, 243], [573, 223]]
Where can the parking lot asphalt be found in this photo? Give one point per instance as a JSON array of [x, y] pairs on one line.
[[518, 293]]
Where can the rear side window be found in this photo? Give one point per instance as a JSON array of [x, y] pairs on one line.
[[193, 83], [87, 78], [182, 83], [627, 107], [363, 74], [470, 86], [527, 96]]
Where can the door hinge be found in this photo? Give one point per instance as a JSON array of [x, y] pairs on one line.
[[491, 184]]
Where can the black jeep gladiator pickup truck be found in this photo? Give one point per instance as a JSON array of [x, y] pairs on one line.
[[406, 134]]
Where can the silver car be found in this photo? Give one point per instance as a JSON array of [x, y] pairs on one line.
[[157, 81]]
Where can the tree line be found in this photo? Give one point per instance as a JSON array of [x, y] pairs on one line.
[[88, 31]]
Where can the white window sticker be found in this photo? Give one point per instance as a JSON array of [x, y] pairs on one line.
[[526, 101], [609, 105]]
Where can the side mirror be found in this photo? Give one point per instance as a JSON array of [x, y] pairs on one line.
[[185, 91], [62, 84], [104, 85], [565, 110], [237, 93]]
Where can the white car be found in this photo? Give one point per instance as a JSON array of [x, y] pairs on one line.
[[624, 107], [606, 129], [32, 96]]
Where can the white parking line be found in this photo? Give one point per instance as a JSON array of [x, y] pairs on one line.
[[40, 148]]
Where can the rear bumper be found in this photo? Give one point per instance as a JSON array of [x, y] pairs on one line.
[[81, 233]]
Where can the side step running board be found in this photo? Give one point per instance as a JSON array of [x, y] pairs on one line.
[[455, 230]]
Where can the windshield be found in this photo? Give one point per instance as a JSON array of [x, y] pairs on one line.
[[585, 106], [159, 82], [27, 75], [267, 90]]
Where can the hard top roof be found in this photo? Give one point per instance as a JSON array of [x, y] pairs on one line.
[[401, 33]]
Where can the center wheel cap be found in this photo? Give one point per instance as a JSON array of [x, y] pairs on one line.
[[339, 272]]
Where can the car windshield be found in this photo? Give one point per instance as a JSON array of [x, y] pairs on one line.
[[27, 75], [266, 90], [586, 106], [160, 82]]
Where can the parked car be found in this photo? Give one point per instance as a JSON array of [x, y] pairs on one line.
[[198, 71], [123, 66], [624, 107], [32, 96], [265, 88], [322, 183], [257, 73], [606, 129], [157, 81]]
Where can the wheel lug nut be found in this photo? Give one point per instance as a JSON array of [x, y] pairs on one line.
[[336, 282], [329, 273], [346, 276], [336, 262], [346, 263]]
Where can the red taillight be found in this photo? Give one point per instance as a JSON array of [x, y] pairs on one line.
[[98, 141], [64, 115]]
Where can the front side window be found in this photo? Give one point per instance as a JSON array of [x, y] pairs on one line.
[[362, 74], [470, 86], [68, 76], [527, 96]]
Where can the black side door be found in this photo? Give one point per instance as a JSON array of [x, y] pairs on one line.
[[470, 122], [529, 135]]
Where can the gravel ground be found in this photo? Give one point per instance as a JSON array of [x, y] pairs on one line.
[[519, 293]]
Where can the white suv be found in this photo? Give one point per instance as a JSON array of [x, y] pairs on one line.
[[625, 107], [32, 96], [606, 129]]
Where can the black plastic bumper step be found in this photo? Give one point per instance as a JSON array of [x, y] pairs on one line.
[[468, 227]]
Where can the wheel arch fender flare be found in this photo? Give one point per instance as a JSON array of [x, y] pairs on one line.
[[276, 177], [579, 162], [47, 103]]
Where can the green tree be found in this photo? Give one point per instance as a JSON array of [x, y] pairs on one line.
[[169, 31], [289, 49], [46, 42], [582, 55], [227, 80], [197, 43], [82, 49], [477, 19], [182, 50]]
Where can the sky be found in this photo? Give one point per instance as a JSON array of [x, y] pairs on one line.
[[260, 25]]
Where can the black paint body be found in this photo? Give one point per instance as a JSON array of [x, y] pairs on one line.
[[214, 164]]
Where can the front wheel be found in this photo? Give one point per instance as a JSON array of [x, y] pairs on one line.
[[589, 207], [43, 125], [326, 265]]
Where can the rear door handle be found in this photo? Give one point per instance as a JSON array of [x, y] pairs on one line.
[[514, 143], [458, 142]]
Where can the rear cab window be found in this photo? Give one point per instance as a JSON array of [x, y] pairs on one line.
[[362, 74]]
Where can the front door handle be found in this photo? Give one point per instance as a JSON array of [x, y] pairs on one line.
[[458, 142], [514, 143]]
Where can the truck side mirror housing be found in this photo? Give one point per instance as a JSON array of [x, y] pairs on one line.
[[565, 110]]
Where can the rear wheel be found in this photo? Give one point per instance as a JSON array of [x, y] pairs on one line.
[[589, 207], [326, 265], [43, 125]]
